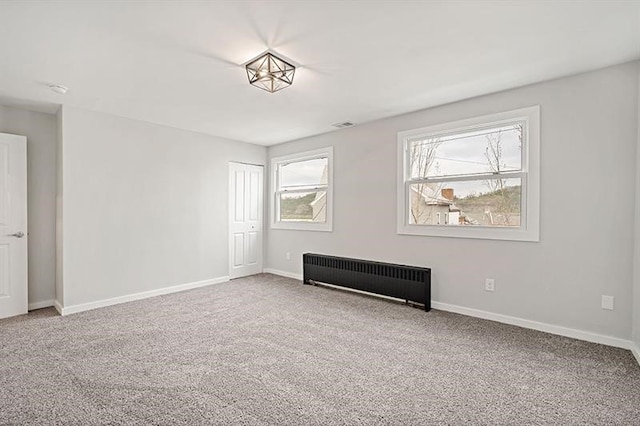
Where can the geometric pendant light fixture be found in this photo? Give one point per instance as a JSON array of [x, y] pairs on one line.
[[270, 73]]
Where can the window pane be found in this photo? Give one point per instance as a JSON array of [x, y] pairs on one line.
[[304, 173], [492, 202], [480, 151], [304, 207]]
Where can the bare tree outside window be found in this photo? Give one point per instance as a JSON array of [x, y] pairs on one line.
[[506, 200], [422, 161]]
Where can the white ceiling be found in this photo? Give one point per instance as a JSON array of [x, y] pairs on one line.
[[180, 64]]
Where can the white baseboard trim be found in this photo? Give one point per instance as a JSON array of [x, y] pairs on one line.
[[282, 273], [635, 350], [137, 296], [40, 305], [58, 306], [520, 322], [535, 325]]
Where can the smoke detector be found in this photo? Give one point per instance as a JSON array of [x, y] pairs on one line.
[[343, 124], [58, 88]]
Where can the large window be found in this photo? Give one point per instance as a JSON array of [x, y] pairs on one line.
[[475, 178], [301, 190]]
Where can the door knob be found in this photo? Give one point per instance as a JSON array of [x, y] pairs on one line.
[[17, 235]]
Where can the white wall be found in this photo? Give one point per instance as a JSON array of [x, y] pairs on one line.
[[588, 149], [40, 130], [145, 206]]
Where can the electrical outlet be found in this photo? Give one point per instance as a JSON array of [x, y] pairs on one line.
[[288, 255], [607, 302], [489, 284]]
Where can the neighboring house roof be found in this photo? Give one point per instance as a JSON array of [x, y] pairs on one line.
[[433, 197], [319, 197], [323, 180]]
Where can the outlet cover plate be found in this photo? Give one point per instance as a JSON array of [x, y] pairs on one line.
[[489, 284], [607, 302]]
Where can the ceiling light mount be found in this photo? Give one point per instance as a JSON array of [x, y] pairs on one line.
[[269, 72]]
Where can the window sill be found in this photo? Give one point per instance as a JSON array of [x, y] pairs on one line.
[[479, 232], [303, 226]]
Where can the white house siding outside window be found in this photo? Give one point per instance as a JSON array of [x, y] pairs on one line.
[[301, 188], [476, 178]]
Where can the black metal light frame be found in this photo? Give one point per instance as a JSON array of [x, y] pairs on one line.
[[270, 73]]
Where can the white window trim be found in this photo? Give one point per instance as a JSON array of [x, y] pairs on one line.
[[529, 229], [273, 204]]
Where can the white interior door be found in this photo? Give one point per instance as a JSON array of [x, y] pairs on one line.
[[13, 225], [245, 219]]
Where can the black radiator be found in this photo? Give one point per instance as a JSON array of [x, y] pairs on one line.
[[403, 282]]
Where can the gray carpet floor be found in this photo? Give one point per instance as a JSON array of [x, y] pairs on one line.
[[269, 350]]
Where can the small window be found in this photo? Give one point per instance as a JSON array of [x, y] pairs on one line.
[[301, 189], [481, 175]]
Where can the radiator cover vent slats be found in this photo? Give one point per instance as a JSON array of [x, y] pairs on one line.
[[400, 281]]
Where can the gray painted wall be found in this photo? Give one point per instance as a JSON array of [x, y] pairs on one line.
[[588, 147], [41, 132], [145, 206]]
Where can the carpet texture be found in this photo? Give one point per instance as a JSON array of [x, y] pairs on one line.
[[268, 350]]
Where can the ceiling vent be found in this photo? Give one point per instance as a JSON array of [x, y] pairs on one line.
[[343, 124], [58, 88]]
